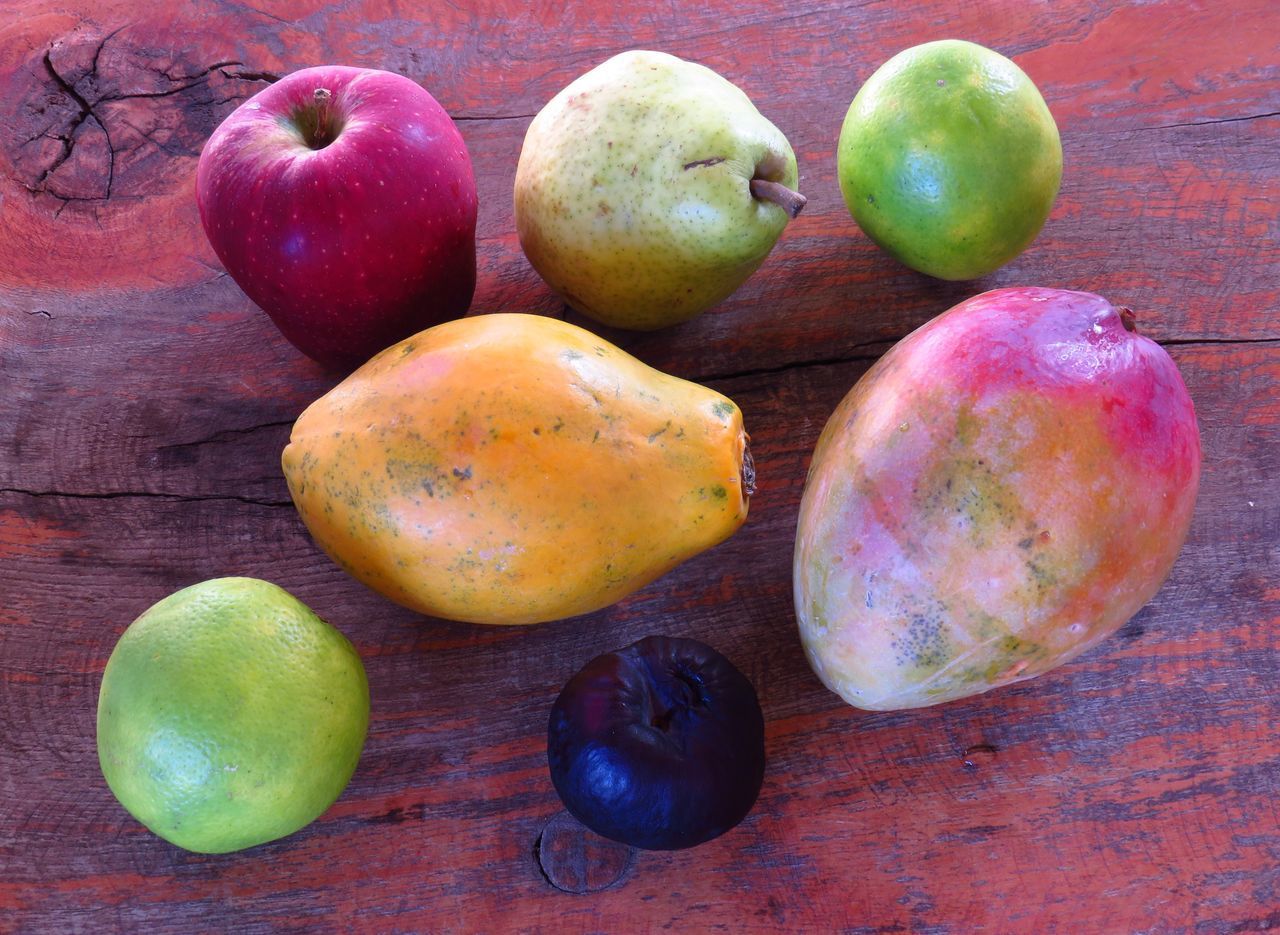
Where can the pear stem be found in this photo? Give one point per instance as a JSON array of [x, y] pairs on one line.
[[322, 97], [789, 201]]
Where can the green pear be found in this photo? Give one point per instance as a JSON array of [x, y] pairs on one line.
[[649, 189]]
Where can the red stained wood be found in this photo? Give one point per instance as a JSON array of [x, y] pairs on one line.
[[144, 403]]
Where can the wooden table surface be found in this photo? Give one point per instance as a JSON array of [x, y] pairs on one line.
[[144, 403]]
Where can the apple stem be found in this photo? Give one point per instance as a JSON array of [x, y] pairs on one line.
[[322, 97], [1128, 319], [788, 200]]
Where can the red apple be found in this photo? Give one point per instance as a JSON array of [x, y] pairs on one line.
[[342, 201]]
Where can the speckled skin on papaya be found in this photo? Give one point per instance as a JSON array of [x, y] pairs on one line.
[[512, 469], [1001, 491], [632, 192]]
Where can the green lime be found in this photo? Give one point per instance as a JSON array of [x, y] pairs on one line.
[[230, 715], [949, 159]]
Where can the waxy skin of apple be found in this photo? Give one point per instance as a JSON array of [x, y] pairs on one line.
[[1005, 488], [353, 224]]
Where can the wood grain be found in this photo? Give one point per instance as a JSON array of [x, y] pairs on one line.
[[144, 403]]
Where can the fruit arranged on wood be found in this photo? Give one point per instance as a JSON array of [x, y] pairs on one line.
[[659, 745], [949, 159], [1002, 490], [514, 469], [649, 189], [230, 715], [341, 200]]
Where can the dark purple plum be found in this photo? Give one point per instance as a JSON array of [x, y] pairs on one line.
[[659, 745]]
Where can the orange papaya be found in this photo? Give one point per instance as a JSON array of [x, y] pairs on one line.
[[513, 469]]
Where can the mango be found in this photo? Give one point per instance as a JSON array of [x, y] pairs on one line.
[[513, 469], [1002, 490]]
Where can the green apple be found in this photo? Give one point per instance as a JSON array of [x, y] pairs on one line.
[[649, 189]]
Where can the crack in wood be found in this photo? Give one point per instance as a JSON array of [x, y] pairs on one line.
[[89, 106], [67, 136], [885, 344], [142, 494], [266, 76], [149, 136], [102, 44], [267, 15], [222, 435], [1184, 342], [888, 343], [466, 117], [1211, 123], [216, 65], [218, 271]]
